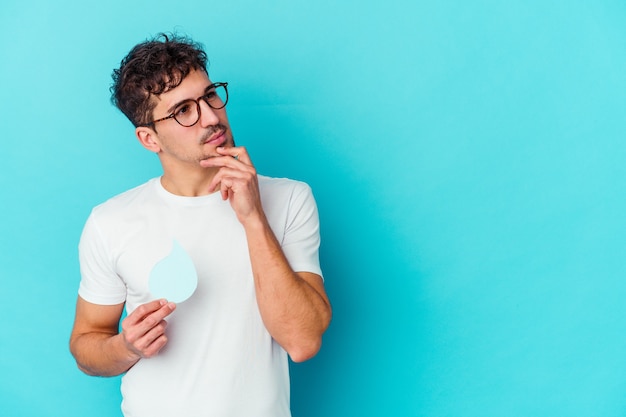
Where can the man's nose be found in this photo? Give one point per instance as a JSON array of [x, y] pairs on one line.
[[208, 115]]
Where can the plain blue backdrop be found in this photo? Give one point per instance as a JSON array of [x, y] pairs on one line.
[[468, 159]]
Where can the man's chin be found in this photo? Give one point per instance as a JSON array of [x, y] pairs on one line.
[[230, 143], [207, 157]]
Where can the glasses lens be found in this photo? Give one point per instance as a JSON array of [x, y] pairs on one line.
[[187, 113], [217, 97]]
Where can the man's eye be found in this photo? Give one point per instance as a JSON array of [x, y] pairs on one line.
[[183, 109]]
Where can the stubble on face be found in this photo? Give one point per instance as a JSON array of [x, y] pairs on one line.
[[198, 142], [173, 147], [211, 131]]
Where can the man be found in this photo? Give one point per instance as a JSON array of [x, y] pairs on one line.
[[253, 241]]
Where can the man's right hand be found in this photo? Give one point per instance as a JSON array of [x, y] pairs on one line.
[[143, 330]]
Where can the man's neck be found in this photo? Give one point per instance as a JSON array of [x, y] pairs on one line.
[[189, 183]]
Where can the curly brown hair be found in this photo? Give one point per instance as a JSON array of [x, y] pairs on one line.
[[153, 67]]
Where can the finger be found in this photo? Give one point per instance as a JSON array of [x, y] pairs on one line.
[[155, 347], [227, 177], [136, 329], [222, 161], [238, 153], [224, 190], [152, 341], [148, 350], [153, 319], [229, 185], [143, 310]]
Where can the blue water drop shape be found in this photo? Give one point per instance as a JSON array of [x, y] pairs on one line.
[[174, 277]]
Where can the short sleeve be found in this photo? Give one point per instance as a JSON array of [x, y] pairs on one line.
[[301, 240], [99, 284]]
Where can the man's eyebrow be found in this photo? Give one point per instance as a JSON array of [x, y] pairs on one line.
[[173, 106], [209, 87]]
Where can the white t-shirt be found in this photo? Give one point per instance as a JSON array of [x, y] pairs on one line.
[[220, 359]]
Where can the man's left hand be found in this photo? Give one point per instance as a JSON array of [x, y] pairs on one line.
[[237, 181]]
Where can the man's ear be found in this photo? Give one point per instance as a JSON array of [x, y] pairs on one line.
[[148, 139]]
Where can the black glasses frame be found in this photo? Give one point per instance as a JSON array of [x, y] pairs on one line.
[[204, 97]]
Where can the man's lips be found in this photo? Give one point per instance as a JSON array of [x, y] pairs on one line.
[[216, 138]]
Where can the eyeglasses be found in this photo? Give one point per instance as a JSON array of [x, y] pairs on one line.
[[187, 113]]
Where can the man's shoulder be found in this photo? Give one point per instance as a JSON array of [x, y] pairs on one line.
[[127, 199], [283, 193], [279, 185]]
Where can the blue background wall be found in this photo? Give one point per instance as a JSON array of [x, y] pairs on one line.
[[468, 162]]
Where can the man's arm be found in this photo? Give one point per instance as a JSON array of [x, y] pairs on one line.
[[294, 305], [98, 346]]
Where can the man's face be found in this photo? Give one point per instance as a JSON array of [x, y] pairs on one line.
[[189, 145]]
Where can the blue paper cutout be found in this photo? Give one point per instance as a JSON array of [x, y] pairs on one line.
[[174, 277]]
